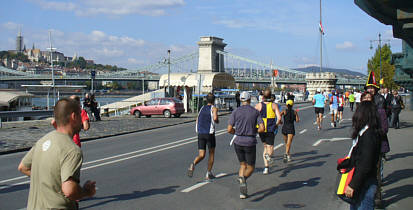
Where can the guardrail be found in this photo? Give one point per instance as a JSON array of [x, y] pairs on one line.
[[34, 113]]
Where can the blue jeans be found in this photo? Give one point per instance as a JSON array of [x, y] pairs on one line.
[[366, 196]]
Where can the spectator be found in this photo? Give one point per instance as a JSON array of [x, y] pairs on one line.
[[364, 156]]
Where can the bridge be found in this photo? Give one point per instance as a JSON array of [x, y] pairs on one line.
[[247, 73]]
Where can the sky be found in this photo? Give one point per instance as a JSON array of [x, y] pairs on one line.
[[135, 33]]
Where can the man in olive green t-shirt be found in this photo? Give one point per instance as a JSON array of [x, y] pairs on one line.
[[54, 163]]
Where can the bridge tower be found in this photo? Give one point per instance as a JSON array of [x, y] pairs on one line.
[[326, 81], [209, 59]]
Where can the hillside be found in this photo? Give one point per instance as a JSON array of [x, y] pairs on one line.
[[339, 72]]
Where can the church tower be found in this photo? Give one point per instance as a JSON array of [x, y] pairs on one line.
[[19, 41]]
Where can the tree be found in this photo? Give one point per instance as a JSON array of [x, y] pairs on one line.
[[387, 69]]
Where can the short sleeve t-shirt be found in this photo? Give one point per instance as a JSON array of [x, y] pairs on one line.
[[76, 137], [358, 97], [319, 100], [351, 98], [53, 160], [245, 120]]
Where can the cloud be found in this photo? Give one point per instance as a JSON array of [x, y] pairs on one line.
[[347, 45], [134, 61], [55, 5], [112, 7], [11, 26]]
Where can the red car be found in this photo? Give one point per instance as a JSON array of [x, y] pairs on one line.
[[159, 106]]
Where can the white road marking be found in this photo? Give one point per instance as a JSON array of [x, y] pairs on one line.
[[278, 146], [303, 131], [12, 179], [333, 139], [196, 186], [185, 141]]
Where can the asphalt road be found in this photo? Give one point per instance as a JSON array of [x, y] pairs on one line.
[[147, 170]]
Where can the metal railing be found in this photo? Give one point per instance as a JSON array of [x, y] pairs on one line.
[[34, 113]]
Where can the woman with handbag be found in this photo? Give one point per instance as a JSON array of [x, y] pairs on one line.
[[365, 154]]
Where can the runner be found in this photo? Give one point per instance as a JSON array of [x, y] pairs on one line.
[[319, 103], [205, 127], [85, 122], [334, 109], [270, 114], [288, 130], [351, 99], [341, 102], [245, 119], [358, 98], [347, 94]]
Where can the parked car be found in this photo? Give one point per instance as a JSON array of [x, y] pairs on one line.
[[159, 106]]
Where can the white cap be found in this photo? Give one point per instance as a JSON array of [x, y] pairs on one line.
[[319, 90], [245, 96]]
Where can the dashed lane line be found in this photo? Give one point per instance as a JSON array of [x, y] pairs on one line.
[[333, 139], [278, 146], [303, 131], [196, 186], [185, 141]]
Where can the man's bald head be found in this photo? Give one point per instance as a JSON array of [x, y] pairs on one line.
[[75, 97], [64, 109]]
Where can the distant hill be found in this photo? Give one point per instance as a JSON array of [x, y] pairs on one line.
[[341, 72]]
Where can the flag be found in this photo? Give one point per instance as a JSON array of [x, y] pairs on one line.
[[321, 28]]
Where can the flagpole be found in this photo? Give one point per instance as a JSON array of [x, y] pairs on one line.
[[321, 42]]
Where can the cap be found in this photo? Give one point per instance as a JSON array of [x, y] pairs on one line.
[[245, 96], [371, 81], [289, 102], [319, 90]]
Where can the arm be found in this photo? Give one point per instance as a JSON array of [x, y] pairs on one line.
[[313, 101], [72, 190], [24, 170], [215, 114], [86, 125], [258, 107], [365, 162], [277, 113], [297, 118], [261, 128], [230, 129]]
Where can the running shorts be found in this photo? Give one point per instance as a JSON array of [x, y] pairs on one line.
[[246, 154], [319, 110], [267, 138], [340, 109], [206, 139], [333, 111]]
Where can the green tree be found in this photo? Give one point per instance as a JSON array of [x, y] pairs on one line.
[[387, 70]]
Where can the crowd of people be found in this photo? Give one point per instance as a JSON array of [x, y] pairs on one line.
[[54, 162]]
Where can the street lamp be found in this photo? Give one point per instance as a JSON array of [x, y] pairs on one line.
[[371, 47], [169, 72]]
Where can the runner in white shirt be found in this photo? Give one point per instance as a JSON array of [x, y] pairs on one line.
[[357, 96]]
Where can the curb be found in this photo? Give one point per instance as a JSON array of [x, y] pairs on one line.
[[111, 135]]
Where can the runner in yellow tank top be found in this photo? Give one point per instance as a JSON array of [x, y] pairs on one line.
[[272, 118]]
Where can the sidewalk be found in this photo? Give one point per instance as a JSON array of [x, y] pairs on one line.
[[21, 136], [398, 170]]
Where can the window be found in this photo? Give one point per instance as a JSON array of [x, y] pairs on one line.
[[153, 102], [164, 102]]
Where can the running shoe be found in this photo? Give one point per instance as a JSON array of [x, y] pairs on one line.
[[315, 123], [285, 158], [318, 128], [332, 125], [288, 158], [335, 124], [242, 187], [209, 176], [269, 159], [265, 171], [191, 170]]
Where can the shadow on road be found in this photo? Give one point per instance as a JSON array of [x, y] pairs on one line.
[[131, 196], [406, 125], [14, 188], [400, 155], [292, 167], [398, 193], [260, 195], [396, 176]]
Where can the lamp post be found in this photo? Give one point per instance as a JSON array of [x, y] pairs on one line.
[[169, 72], [51, 61], [371, 47]]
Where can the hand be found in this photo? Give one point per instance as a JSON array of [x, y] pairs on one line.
[[90, 188], [349, 192]]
